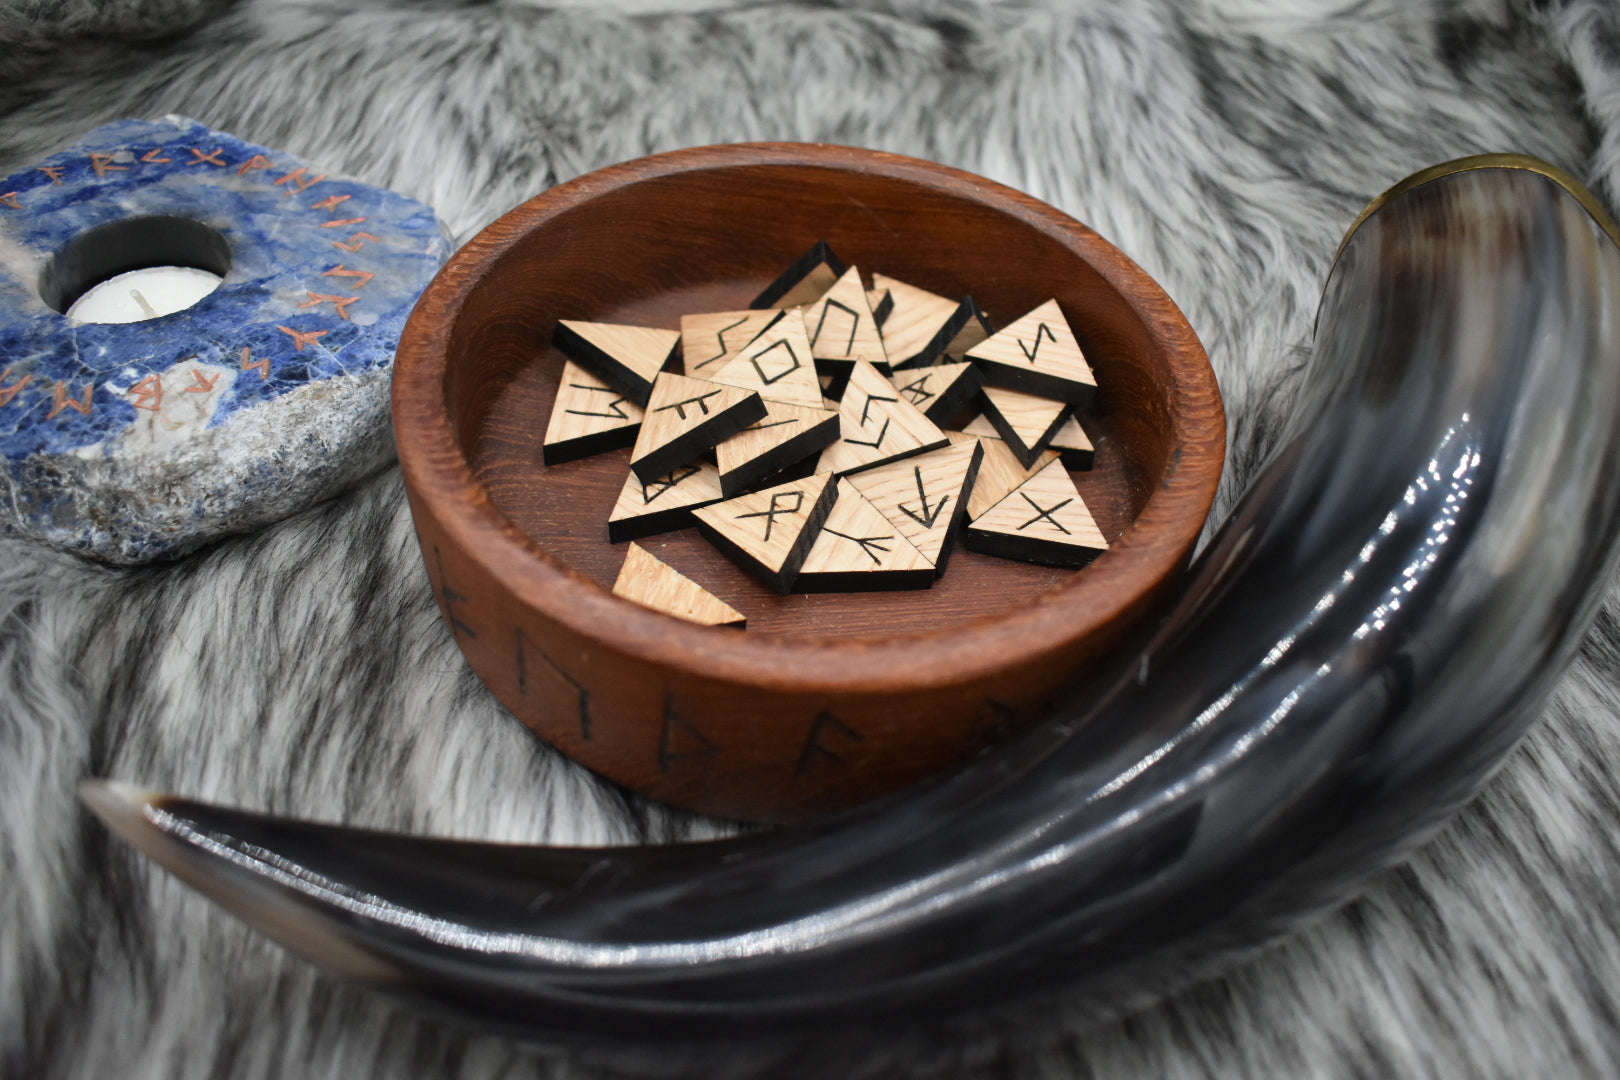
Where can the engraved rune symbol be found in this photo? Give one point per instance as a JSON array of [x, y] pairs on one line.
[[616, 414], [655, 489], [249, 364], [868, 544], [761, 426], [7, 393], [151, 157], [1029, 354], [212, 157], [866, 410], [60, 400], [701, 401], [770, 515], [339, 303], [721, 338], [450, 598], [342, 271], [298, 182], [1044, 513], [813, 745], [202, 385], [793, 362], [355, 242], [854, 324], [10, 199], [302, 337], [917, 392], [675, 730], [52, 171], [876, 443], [257, 161], [103, 164], [148, 394], [583, 695], [928, 516]]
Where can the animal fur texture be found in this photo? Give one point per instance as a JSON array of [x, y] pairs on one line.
[[1223, 144]]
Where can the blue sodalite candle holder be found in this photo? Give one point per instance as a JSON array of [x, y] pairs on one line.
[[138, 441]]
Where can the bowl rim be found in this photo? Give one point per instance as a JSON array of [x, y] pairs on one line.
[[1153, 547]]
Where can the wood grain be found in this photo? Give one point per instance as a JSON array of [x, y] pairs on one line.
[[920, 325], [777, 364], [1038, 354], [860, 550], [929, 677], [876, 425], [1042, 520], [654, 584]]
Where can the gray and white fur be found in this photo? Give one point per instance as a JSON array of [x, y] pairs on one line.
[[1223, 144]]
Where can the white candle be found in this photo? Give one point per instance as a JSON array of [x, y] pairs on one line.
[[143, 294]]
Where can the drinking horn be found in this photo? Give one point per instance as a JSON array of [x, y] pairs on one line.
[[1356, 649]]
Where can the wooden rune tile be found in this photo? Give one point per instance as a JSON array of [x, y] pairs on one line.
[[878, 425], [768, 533], [860, 550], [921, 325], [977, 328], [648, 507], [1043, 520], [941, 391], [788, 434], [710, 341], [589, 417], [841, 327], [684, 418], [777, 364], [651, 582], [926, 497], [1025, 421], [1037, 354], [627, 358], [1074, 446], [999, 472], [812, 274]]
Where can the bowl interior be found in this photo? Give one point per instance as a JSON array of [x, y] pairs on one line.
[[709, 239]]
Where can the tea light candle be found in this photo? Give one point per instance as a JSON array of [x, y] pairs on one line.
[[143, 294]]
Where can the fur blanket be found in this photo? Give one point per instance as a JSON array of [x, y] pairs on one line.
[[1224, 144]]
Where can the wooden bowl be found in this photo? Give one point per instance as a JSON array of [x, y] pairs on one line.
[[825, 700]]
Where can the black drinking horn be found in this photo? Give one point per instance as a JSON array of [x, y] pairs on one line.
[[1357, 648]]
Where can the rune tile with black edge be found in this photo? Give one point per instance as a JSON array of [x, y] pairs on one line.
[[1038, 354], [663, 504], [768, 533], [1043, 520], [686, 417], [943, 391], [921, 323], [877, 424], [861, 550], [788, 434], [1025, 422], [588, 417], [926, 496], [811, 274], [627, 358]]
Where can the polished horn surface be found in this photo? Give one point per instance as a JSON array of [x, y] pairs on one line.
[[1364, 639]]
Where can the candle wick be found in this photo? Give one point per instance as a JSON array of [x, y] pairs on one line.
[[141, 300]]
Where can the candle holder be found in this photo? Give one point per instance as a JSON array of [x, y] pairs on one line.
[[128, 441]]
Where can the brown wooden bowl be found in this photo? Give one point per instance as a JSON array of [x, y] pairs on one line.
[[825, 700]]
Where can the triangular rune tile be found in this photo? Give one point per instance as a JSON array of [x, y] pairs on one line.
[[788, 434], [627, 358], [684, 418], [648, 507], [1043, 520], [777, 364], [812, 274], [940, 391], [1038, 355], [926, 497], [1074, 446], [860, 550], [768, 533], [921, 324], [999, 472], [878, 425], [651, 582], [1025, 421], [841, 327], [588, 417], [977, 328], [710, 341]]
